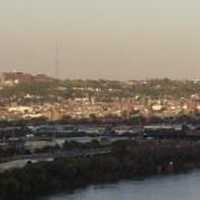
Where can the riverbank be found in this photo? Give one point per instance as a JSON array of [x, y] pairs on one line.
[[127, 159]]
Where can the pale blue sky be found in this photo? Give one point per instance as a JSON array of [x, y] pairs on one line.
[[115, 39]]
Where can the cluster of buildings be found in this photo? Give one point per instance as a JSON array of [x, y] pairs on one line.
[[84, 108], [87, 105]]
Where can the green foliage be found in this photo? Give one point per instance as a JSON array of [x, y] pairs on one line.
[[106, 89], [128, 159]]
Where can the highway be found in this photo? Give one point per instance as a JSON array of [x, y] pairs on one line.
[[20, 161]]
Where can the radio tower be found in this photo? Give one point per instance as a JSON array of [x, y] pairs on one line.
[[57, 61]]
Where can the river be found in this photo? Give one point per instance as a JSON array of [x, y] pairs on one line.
[[172, 187]]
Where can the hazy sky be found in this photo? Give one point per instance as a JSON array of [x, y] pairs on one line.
[[114, 39]]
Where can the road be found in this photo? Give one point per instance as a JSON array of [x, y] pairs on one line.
[[21, 160]]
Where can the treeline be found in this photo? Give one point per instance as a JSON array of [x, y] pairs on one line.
[[127, 160], [105, 89]]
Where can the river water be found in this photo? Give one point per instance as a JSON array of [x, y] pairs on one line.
[[172, 187]]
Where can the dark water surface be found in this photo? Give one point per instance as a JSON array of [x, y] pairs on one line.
[[172, 187]]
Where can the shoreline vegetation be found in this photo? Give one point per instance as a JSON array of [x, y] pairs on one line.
[[128, 159]]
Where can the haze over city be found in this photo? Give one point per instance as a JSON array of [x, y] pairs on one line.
[[101, 39], [99, 99]]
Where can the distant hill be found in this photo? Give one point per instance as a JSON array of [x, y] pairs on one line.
[[21, 84], [20, 77]]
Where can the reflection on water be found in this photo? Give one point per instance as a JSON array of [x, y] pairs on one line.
[[176, 187]]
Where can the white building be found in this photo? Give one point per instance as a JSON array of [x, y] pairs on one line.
[[20, 109]]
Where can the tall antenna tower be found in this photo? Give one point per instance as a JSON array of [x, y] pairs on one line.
[[57, 60]]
